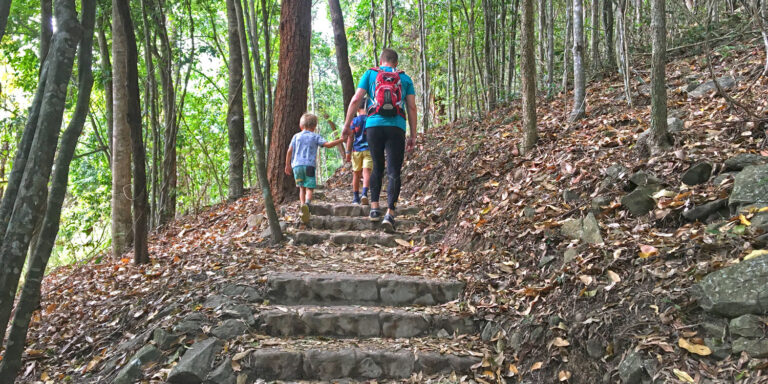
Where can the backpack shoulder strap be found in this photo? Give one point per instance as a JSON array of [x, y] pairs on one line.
[[375, 69]]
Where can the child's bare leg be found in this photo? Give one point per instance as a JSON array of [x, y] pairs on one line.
[[366, 177], [356, 181], [302, 193], [308, 193]]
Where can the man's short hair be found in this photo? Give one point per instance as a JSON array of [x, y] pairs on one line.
[[308, 120], [388, 56]]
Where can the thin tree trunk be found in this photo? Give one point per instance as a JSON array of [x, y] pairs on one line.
[[453, 98], [5, 10], [46, 29], [122, 230], [270, 120], [579, 76], [608, 27], [488, 49], [261, 168], [568, 38], [594, 39], [106, 68], [373, 32], [169, 179], [29, 201], [551, 50], [153, 114], [528, 75], [291, 96], [29, 300], [342, 56], [512, 40], [658, 138], [235, 113], [623, 49], [253, 36], [424, 71], [385, 42]]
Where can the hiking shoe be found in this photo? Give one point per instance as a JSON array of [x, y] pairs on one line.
[[375, 215], [305, 214], [388, 224], [355, 200], [364, 200]]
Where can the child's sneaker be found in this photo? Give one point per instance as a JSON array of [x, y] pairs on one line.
[[375, 215], [364, 200], [356, 200], [305, 214], [388, 224]]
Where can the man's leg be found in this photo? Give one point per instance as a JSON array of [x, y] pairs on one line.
[[376, 141], [395, 149]]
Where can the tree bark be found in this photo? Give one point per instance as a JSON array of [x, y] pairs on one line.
[[153, 113], [342, 55], [253, 36], [528, 75], [594, 39], [658, 138], [30, 293], [122, 230], [551, 50], [291, 96], [5, 10], [623, 50], [132, 115], [579, 76], [267, 68], [568, 38], [33, 189], [46, 28], [373, 33], [512, 59], [424, 71], [235, 113], [169, 180], [608, 27], [106, 68], [261, 167], [453, 98], [488, 16]]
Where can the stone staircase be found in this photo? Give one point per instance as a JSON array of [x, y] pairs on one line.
[[324, 326]]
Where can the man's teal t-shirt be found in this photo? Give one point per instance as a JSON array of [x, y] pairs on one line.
[[368, 82]]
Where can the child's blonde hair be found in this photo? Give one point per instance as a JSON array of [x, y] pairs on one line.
[[308, 120]]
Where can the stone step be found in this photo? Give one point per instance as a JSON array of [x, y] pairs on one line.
[[299, 288], [349, 363], [345, 238], [355, 322], [352, 223], [327, 209]]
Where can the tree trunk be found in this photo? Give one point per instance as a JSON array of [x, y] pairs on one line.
[[169, 179], [623, 50], [29, 300], [453, 99], [568, 38], [5, 10], [608, 27], [132, 114], [252, 33], [30, 199], [235, 113], [594, 39], [150, 95], [342, 56], [658, 138], [46, 29], [267, 69], [261, 167], [121, 153], [512, 59], [542, 41], [373, 33], [579, 76], [291, 96], [424, 72], [528, 75], [551, 50], [489, 16], [106, 68]]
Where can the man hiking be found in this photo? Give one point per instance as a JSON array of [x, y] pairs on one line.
[[391, 99]]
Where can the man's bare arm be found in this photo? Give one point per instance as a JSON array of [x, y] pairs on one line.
[[410, 101]]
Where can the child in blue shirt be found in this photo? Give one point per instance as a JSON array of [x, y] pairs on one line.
[[301, 157], [362, 163]]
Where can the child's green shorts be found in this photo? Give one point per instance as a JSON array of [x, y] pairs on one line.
[[305, 176]]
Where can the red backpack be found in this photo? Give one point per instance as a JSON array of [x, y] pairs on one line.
[[388, 95]]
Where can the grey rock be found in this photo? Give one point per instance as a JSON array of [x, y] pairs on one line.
[[719, 179], [229, 329], [368, 369], [674, 125], [223, 374], [490, 330], [192, 324], [516, 340], [394, 365], [747, 326], [697, 174], [215, 301], [725, 82], [757, 349], [311, 238], [595, 348], [297, 289], [760, 241], [431, 363], [341, 323], [570, 254], [546, 259], [529, 212], [572, 228], [196, 362], [239, 311], [632, 369], [165, 340], [715, 329], [585, 229], [250, 294], [135, 342], [570, 196], [645, 179], [739, 162], [639, 202], [328, 365], [615, 172], [736, 290], [132, 371], [274, 364], [404, 325], [750, 186], [760, 222], [255, 221], [702, 212], [599, 203], [720, 350], [267, 233]]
